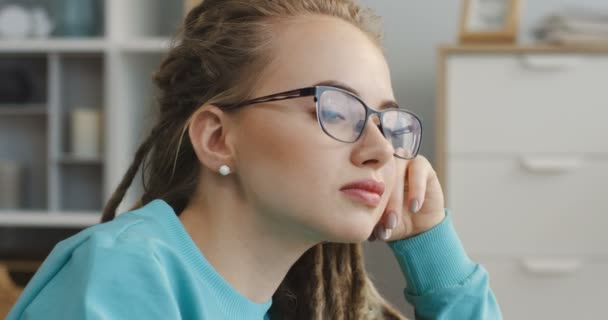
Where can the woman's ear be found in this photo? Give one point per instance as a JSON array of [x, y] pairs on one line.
[[209, 131]]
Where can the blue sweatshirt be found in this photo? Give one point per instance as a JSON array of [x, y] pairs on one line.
[[144, 265]]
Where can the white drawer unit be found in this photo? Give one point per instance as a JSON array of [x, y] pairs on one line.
[[528, 102], [522, 154], [530, 204], [549, 287]]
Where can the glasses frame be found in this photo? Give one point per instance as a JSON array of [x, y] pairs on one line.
[[317, 91]]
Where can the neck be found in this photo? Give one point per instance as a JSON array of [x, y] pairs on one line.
[[252, 252]]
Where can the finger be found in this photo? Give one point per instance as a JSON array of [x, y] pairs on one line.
[[372, 237], [394, 205], [417, 180], [383, 233]]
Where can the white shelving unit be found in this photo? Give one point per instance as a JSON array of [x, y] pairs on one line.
[[110, 72]]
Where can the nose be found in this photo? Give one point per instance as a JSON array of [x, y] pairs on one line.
[[372, 149]]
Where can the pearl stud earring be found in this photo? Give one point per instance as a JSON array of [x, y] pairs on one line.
[[224, 170]]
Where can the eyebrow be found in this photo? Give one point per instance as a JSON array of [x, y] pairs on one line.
[[387, 104]]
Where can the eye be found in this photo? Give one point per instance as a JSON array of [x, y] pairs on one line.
[[400, 131], [330, 115], [359, 125]]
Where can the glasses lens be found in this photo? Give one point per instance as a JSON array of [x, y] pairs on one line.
[[404, 131], [341, 115]]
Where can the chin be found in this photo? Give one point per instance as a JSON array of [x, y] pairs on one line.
[[353, 232], [341, 223]]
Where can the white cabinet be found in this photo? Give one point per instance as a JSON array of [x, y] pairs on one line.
[[523, 158], [110, 73], [548, 288], [506, 208], [527, 102]]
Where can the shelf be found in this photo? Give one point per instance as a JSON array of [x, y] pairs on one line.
[[70, 159], [143, 45], [25, 78], [22, 110], [81, 188], [82, 79], [19, 218], [54, 45], [23, 140]]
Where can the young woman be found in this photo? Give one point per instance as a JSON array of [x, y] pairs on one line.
[[279, 148]]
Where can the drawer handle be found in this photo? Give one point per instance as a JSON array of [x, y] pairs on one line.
[[551, 164], [549, 62], [552, 266]]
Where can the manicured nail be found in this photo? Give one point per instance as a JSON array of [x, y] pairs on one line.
[[414, 206], [391, 221], [387, 234]]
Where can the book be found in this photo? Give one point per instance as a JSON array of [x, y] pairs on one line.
[[572, 24], [568, 38]]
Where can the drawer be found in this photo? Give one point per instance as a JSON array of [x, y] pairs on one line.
[[529, 204], [527, 103], [548, 288]]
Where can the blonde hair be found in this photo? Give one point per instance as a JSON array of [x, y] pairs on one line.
[[221, 48]]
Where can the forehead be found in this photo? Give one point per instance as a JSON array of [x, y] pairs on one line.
[[314, 49]]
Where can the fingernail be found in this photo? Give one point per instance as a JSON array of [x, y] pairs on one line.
[[387, 234], [391, 221], [414, 206], [381, 233]]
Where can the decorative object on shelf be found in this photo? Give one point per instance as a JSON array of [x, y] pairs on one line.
[[15, 84], [578, 26], [15, 22], [76, 18], [86, 133], [10, 184], [18, 22], [489, 21], [42, 26]]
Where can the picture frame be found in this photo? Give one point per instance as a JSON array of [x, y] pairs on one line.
[[489, 21]]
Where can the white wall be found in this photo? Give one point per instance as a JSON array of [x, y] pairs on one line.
[[413, 30]]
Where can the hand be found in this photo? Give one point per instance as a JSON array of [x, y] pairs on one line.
[[416, 203]]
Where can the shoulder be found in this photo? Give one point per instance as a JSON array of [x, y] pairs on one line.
[[105, 268], [136, 232], [123, 250], [126, 249]]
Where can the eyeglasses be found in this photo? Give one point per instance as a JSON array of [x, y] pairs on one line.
[[343, 116]]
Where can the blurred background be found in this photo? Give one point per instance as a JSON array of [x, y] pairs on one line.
[[513, 96]]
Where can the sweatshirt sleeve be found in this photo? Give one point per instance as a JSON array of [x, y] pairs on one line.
[[442, 281], [101, 279]]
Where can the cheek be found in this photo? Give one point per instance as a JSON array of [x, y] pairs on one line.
[[282, 141], [290, 168], [284, 154], [294, 171]]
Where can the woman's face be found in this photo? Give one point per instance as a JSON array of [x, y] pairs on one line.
[[290, 170]]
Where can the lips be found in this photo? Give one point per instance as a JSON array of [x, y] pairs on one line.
[[368, 192]]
